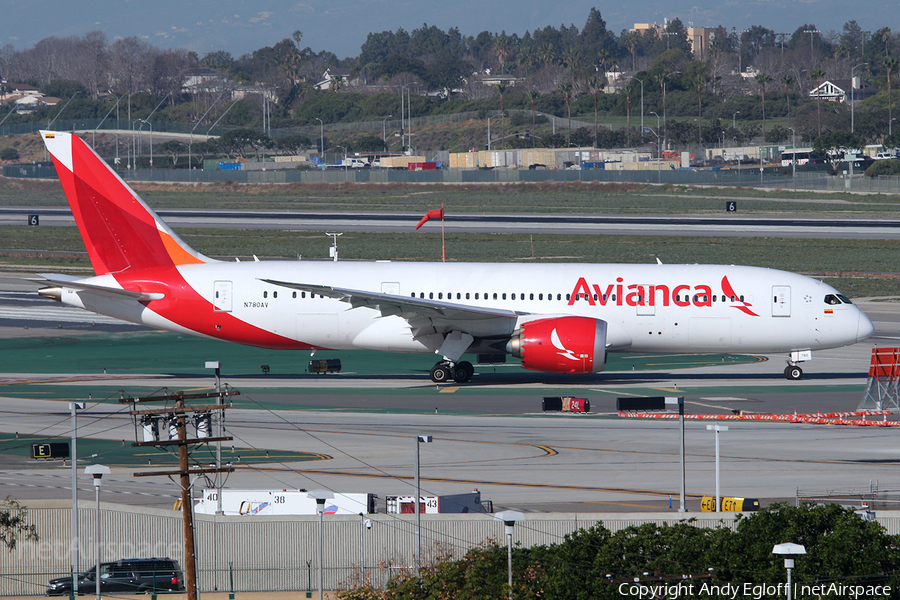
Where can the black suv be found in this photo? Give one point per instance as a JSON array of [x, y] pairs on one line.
[[129, 576]]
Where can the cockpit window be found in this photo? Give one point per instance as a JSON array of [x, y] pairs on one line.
[[844, 299], [832, 299]]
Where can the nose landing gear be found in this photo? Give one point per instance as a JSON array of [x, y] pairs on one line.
[[793, 372]]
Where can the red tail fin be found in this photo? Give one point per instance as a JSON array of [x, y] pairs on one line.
[[120, 232]]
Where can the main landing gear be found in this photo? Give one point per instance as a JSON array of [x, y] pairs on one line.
[[444, 371]]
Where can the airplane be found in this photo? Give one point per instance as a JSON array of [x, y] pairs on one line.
[[556, 318]]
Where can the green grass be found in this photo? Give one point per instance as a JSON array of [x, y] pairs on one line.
[[856, 267]]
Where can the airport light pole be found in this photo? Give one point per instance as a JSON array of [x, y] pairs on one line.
[[509, 518], [384, 130], [321, 138], [74, 407], [97, 472], [717, 429], [423, 439], [642, 103], [793, 157], [320, 496], [853, 97], [789, 551]]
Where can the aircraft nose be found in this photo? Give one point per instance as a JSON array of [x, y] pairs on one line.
[[864, 328]]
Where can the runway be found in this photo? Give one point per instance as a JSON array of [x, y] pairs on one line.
[[728, 226]]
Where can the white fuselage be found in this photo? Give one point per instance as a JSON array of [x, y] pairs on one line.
[[648, 308]]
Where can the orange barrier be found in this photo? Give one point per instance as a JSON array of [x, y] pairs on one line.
[[884, 373]]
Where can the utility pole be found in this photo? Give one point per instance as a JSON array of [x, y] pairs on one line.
[[178, 417]]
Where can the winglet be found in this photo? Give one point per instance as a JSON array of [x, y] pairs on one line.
[[119, 230]]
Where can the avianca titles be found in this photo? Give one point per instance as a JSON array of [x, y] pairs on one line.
[[560, 318]]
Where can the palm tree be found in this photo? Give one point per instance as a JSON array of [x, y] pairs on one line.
[[632, 39], [762, 79], [890, 63], [566, 88], [787, 80], [818, 74], [533, 95], [595, 84]]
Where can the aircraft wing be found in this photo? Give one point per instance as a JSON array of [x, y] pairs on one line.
[[407, 307], [79, 284]]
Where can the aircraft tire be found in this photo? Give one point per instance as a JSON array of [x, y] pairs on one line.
[[440, 373], [463, 372], [793, 373]]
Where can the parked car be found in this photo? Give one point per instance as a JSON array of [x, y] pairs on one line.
[[127, 576]]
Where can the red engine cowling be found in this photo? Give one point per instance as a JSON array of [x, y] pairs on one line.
[[561, 345]]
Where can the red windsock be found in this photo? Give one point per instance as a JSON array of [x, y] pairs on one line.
[[437, 213]]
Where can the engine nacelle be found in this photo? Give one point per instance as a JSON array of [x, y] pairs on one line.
[[561, 345]]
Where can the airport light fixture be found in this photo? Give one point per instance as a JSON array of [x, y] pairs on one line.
[[420, 439], [717, 429], [74, 407], [384, 131], [853, 96], [217, 366], [320, 496], [509, 518], [789, 551], [97, 472], [642, 101]]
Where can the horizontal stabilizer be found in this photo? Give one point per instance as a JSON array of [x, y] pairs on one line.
[[67, 281]]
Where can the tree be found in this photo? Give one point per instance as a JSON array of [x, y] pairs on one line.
[[787, 79], [818, 74], [566, 89], [595, 84], [532, 96], [13, 525], [173, 148], [762, 79], [890, 64]]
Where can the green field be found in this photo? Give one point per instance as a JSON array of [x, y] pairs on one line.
[[859, 268], [15, 453]]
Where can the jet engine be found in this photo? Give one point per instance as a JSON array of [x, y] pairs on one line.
[[561, 345]]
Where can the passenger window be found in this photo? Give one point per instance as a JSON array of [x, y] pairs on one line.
[[467, 295], [568, 296], [293, 294], [440, 295], [476, 295], [559, 296], [274, 294], [504, 296], [458, 296], [540, 296], [431, 295], [265, 294], [495, 295], [531, 296]]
